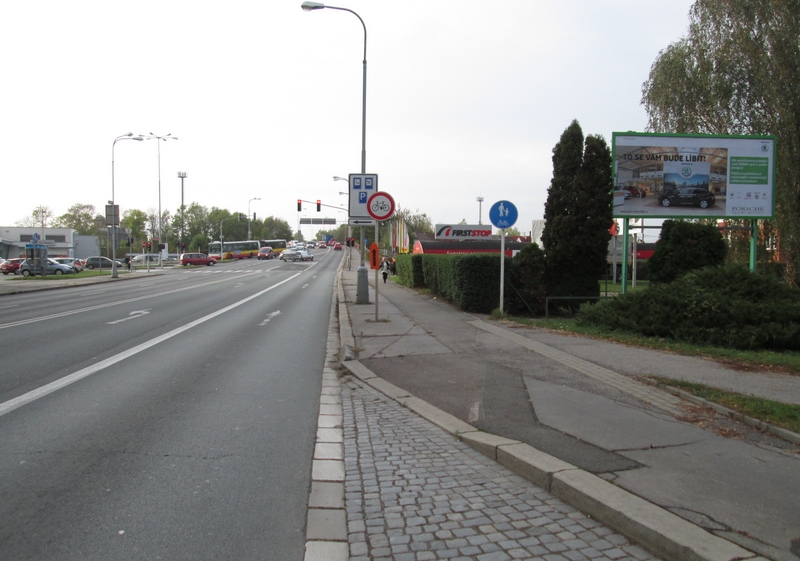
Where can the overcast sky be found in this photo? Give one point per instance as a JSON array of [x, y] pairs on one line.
[[464, 99]]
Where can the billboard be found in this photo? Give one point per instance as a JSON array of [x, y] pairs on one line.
[[693, 176], [463, 231]]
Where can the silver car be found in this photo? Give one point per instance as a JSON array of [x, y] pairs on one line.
[[53, 268]]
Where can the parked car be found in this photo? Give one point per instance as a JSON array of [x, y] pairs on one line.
[[97, 262], [11, 266], [337, 246], [196, 259], [51, 268], [70, 262], [266, 253], [693, 196], [144, 258]]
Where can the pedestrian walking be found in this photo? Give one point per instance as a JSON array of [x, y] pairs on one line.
[[128, 262], [385, 269]]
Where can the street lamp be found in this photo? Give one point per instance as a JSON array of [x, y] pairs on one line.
[[480, 200], [182, 175], [166, 137], [128, 136], [362, 288], [248, 215]]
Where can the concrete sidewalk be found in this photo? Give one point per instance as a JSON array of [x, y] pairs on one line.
[[568, 413]]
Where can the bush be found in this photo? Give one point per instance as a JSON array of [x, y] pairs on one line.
[[725, 306], [524, 292], [683, 247]]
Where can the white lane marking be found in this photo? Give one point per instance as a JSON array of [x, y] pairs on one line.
[[305, 285], [33, 395], [132, 315], [11, 306], [101, 306], [269, 317]]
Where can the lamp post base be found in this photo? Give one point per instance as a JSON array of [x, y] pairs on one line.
[[362, 286]]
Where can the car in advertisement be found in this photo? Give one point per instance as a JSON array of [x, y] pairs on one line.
[[687, 196]]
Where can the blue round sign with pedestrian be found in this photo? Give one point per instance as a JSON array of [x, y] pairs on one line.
[[503, 214]]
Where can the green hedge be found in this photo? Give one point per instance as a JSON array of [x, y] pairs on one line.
[[725, 306]]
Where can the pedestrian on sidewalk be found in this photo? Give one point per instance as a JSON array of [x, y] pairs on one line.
[[385, 269], [128, 262]]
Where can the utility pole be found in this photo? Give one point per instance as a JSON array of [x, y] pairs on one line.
[[182, 175]]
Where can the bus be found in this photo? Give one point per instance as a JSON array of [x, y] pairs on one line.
[[276, 245], [234, 250]]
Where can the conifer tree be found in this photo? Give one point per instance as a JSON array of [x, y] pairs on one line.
[[578, 215]]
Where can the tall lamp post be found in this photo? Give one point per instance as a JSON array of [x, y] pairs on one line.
[[166, 137], [480, 201], [182, 175], [128, 136], [248, 215], [362, 288]]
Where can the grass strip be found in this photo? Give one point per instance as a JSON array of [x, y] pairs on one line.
[[783, 415], [783, 362]]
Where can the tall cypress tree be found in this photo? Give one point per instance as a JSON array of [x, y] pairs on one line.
[[578, 215]]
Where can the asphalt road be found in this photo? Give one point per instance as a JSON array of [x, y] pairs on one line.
[[171, 417]]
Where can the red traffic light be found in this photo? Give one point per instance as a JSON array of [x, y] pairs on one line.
[[319, 205], [299, 205]]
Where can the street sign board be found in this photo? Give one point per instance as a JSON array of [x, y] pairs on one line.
[[362, 186], [503, 214], [380, 206], [361, 222], [374, 256]]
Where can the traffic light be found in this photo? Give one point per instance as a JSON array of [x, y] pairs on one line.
[[319, 205], [162, 246], [149, 246], [254, 217], [299, 205]]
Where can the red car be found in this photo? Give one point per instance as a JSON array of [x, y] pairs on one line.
[[11, 266], [196, 259], [337, 247]]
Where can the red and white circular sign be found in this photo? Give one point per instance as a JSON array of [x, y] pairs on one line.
[[380, 206]]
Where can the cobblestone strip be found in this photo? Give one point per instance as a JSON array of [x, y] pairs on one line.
[[649, 394], [415, 493], [326, 525]]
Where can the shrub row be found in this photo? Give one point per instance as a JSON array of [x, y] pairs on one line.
[[472, 281], [724, 306]]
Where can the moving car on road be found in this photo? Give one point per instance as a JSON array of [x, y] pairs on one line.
[[196, 259], [266, 253]]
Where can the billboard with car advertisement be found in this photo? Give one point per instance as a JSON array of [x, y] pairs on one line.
[[693, 176]]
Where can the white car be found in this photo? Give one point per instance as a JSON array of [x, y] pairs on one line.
[[296, 255]]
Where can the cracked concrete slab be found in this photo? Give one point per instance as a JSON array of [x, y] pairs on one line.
[[605, 422]]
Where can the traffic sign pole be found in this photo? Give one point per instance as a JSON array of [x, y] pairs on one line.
[[503, 214]]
